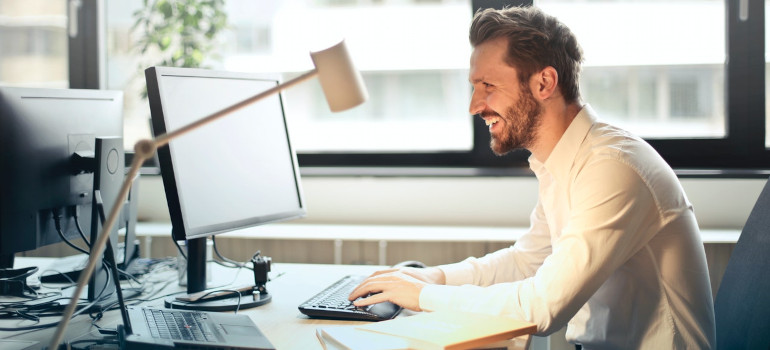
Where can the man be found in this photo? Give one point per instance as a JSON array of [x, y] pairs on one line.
[[613, 251]]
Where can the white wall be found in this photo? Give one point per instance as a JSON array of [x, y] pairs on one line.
[[462, 201]]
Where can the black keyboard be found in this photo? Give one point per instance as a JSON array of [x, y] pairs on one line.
[[178, 325], [333, 302]]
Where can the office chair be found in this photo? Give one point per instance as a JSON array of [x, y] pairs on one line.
[[742, 305]]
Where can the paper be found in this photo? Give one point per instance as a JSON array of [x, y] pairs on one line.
[[451, 330], [352, 338]]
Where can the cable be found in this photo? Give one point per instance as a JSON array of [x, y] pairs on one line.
[[237, 306], [46, 325], [161, 265], [57, 223], [80, 229], [100, 298], [96, 342], [234, 263], [179, 248], [21, 310]]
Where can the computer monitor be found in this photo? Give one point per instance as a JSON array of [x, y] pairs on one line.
[[237, 172], [40, 132]]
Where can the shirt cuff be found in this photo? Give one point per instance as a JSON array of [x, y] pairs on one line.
[[459, 273], [435, 297]]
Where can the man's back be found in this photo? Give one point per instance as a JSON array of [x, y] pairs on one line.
[[660, 296]]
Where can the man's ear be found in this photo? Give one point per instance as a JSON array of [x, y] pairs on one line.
[[545, 83]]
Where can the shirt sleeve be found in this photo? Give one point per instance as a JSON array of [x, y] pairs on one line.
[[612, 215], [506, 265]]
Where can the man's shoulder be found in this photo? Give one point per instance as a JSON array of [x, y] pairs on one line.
[[607, 140], [609, 151], [608, 143]]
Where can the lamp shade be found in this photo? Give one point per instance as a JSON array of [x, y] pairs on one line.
[[341, 82]]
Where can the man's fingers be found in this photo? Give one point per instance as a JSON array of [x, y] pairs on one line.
[[372, 284], [395, 287], [366, 287], [372, 299]]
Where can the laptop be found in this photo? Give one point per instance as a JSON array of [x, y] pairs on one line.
[[173, 329], [160, 328]]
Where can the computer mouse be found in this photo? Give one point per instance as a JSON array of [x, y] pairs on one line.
[[410, 263]]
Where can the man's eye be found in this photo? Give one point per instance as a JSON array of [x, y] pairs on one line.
[[487, 85]]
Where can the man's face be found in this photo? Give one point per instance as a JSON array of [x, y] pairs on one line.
[[505, 104]]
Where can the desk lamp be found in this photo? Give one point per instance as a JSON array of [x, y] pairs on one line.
[[342, 85]]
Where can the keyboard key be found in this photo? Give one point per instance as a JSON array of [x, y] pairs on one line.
[[178, 325]]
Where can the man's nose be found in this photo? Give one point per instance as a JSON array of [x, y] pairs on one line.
[[478, 102]]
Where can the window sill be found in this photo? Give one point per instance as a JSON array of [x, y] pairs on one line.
[[487, 172]]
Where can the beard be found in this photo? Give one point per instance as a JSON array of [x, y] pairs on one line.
[[520, 123]]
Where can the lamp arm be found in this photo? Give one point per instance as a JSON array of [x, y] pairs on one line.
[[144, 149], [97, 248], [164, 139]]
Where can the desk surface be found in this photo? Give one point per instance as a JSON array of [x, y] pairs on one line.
[[279, 320]]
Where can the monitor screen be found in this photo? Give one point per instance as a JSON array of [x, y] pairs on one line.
[[40, 129], [236, 172]]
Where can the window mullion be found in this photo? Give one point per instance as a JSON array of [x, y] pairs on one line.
[[745, 81], [85, 61]]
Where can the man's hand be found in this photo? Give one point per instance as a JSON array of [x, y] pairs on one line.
[[399, 286]]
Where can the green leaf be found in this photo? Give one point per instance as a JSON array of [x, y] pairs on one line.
[[183, 31]]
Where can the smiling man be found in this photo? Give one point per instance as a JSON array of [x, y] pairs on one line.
[[613, 251]]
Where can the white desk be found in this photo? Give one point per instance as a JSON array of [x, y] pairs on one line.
[[279, 320]]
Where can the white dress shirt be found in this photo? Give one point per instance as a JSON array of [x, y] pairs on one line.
[[613, 251]]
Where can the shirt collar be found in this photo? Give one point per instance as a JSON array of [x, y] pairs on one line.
[[563, 155]]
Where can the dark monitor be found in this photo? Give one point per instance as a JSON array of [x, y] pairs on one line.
[[237, 172], [40, 131]]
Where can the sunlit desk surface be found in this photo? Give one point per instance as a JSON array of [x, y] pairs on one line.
[[279, 320]]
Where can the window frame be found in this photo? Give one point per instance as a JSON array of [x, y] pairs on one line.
[[86, 48], [742, 153]]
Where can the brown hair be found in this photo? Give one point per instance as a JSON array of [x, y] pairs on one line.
[[535, 41]]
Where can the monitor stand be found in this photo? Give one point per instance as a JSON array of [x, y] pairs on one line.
[[196, 282], [6, 261]]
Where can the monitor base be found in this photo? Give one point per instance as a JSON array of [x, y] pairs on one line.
[[220, 304]]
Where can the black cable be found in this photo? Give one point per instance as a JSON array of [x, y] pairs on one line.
[[237, 306], [152, 297], [95, 342], [57, 223], [46, 325], [179, 248], [131, 278], [63, 274], [35, 316], [156, 268], [213, 289], [100, 298], [226, 264], [80, 229], [234, 263]]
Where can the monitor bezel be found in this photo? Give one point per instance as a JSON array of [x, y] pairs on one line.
[[180, 229]]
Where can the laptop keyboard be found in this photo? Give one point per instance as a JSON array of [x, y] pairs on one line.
[[178, 325], [333, 302]]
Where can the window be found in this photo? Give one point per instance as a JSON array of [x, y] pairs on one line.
[[641, 75], [34, 43], [685, 74], [418, 87]]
